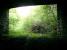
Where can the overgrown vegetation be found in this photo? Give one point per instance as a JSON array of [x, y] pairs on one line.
[[42, 22]]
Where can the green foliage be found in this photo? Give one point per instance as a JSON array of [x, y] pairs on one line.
[[44, 16]]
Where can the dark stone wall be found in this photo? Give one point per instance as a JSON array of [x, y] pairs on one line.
[[3, 22]]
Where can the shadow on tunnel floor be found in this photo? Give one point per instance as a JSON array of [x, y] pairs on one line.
[[25, 44]]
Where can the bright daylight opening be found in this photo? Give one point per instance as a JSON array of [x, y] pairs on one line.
[[24, 11], [33, 21]]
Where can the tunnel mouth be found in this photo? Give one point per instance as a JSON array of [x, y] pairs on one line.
[[38, 21]]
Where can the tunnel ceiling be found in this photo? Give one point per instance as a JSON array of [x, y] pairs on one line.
[[14, 3]]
